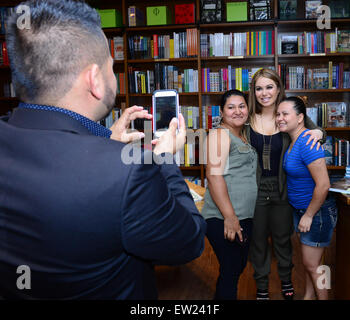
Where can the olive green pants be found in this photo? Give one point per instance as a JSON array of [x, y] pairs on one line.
[[273, 217]]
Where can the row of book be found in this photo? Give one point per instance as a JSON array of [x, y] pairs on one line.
[[211, 117], [227, 79], [301, 77], [337, 151], [113, 116], [180, 45], [314, 42], [255, 43], [330, 114], [191, 116], [162, 77], [116, 46]]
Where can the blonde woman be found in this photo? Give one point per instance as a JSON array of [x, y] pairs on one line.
[[273, 213]]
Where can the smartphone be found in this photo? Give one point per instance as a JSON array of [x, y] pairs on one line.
[[165, 107]]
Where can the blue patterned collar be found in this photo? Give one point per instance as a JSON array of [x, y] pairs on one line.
[[95, 128]]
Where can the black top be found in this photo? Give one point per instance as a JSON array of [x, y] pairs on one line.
[[257, 141]]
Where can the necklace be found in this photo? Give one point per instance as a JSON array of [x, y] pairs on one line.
[[266, 153]]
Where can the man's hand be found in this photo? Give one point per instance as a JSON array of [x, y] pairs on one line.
[[120, 127], [170, 141]]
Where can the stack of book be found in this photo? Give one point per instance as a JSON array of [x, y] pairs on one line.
[[162, 77], [179, 45], [254, 43], [301, 77], [337, 151], [227, 79]]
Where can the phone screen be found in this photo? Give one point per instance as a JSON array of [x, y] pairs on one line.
[[165, 111]]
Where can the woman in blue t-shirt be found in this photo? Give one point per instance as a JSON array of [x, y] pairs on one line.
[[307, 185]]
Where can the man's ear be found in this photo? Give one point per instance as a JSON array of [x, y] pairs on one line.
[[94, 81]]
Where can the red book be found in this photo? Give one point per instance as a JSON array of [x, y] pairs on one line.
[[155, 46], [273, 42], [4, 55], [184, 13], [210, 122]]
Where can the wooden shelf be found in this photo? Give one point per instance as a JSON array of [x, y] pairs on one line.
[[190, 168], [335, 168], [161, 28], [9, 99], [150, 94], [220, 93], [317, 90], [314, 55], [229, 58], [161, 60], [337, 129], [113, 30], [302, 22], [238, 24]]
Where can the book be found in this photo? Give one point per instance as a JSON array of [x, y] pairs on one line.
[[260, 9], [288, 9], [118, 48], [289, 44], [343, 40], [311, 9], [328, 150], [211, 11], [337, 114], [237, 11], [339, 8], [341, 186], [184, 13], [135, 16]]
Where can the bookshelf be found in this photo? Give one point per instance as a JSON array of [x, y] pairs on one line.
[[199, 96]]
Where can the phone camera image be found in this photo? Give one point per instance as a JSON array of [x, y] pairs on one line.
[[166, 110]]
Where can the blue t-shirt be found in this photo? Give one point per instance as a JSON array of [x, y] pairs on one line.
[[300, 184]]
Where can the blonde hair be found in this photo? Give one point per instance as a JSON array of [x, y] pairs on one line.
[[254, 106]]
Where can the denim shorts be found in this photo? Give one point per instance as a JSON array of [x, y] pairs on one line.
[[323, 223]]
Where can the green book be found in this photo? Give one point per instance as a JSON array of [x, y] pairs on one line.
[[237, 11]]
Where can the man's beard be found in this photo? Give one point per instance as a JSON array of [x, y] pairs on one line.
[[108, 101]]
